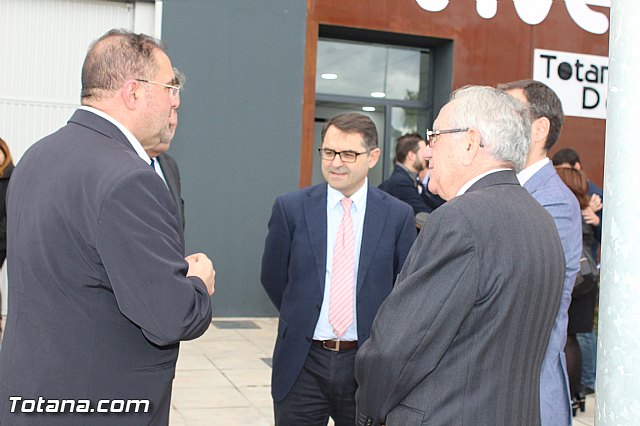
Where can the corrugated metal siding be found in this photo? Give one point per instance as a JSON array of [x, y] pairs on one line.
[[42, 46]]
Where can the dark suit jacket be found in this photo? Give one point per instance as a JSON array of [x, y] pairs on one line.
[[461, 338], [172, 176], [99, 296], [294, 267], [402, 186]]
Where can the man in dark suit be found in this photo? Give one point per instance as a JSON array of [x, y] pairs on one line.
[[462, 336], [404, 182], [331, 256], [101, 294], [163, 163], [539, 177]]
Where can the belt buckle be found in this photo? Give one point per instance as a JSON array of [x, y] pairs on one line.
[[336, 349]]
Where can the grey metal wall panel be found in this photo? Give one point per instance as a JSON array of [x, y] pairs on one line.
[[238, 141]]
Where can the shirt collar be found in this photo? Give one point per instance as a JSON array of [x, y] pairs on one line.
[[132, 139], [468, 185], [527, 173], [413, 175], [359, 197]]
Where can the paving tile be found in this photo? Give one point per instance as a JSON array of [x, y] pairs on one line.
[[226, 416], [254, 377], [200, 379], [194, 362], [259, 396], [208, 397]]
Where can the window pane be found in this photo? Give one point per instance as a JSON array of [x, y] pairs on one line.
[[356, 69]]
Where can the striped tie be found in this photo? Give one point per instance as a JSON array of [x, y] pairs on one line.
[[342, 274]]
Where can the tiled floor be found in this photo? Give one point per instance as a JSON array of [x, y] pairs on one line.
[[223, 377]]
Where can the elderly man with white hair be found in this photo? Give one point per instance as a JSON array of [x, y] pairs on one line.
[[462, 336]]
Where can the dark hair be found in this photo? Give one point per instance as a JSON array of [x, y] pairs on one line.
[[543, 102], [7, 157], [353, 122], [577, 183], [566, 155], [406, 144], [115, 57]]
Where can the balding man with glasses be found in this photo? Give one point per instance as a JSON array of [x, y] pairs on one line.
[[101, 293], [331, 257]]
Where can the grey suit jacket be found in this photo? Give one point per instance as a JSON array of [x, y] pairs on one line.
[[172, 176], [549, 190], [99, 296], [294, 269], [461, 338]]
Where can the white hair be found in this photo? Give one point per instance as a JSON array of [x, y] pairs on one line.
[[503, 122]]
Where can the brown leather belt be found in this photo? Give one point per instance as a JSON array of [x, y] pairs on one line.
[[337, 345]]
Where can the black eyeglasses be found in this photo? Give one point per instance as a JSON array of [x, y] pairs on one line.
[[431, 134], [173, 90], [345, 156]]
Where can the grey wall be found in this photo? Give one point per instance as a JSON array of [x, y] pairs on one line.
[[238, 139]]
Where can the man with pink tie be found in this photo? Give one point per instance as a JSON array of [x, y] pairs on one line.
[[331, 256]]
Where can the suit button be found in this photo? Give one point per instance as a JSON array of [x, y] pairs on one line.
[[369, 421], [308, 339], [318, 307]]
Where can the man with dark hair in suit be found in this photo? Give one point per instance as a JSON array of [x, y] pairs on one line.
[[101, 293], [539, 177], [404, 182], [331, 256], [462, 336]]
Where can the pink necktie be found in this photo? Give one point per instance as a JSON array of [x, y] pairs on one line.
[[342, 272]]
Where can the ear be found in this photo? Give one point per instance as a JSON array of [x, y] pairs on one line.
[[131, 94], [471, 146], [374, 155], [540, 129]]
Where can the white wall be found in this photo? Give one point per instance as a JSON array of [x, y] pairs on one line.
[[42, 47]]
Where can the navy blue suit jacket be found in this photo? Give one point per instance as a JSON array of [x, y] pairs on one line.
[[97, 279], [402, 186], [294, 267]]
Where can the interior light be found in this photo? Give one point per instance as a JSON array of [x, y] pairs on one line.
[[378, 94], [369, 109], [329, 76]]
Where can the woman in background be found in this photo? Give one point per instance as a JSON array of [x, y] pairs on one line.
[[585, 293], [6, 167]]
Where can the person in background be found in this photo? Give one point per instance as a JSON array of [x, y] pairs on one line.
[[163, 163], [6, 167], [543, 183], [568, 157], [585, 293], [331, 256], [404, 182]]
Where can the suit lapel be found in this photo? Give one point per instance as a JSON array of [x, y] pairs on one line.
[[100, 125], [315, 216], [505, 177], [374, 220]]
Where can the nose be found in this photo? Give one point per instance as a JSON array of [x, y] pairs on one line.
[[175, 100], [337, 158]]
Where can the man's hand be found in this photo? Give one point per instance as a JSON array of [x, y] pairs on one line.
[[201, 266]]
